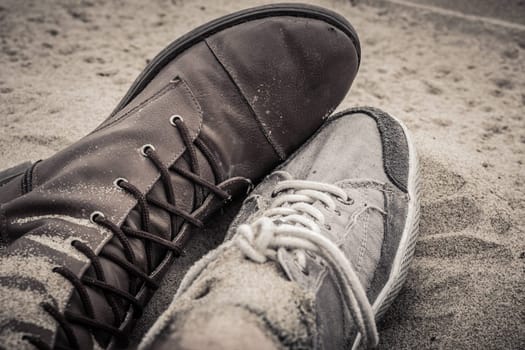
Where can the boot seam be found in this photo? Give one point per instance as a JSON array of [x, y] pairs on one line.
[[3, 226], [161, 92], [29, 178], [278, 150]]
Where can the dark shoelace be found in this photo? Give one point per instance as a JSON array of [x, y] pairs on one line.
[[140, 278]]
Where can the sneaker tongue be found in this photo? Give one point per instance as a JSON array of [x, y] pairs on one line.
[[360, 226]]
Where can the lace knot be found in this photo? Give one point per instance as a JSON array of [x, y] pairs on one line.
[[292, 223], [254, 240]]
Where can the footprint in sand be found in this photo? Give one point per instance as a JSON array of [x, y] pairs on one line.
[[458, 246], [432, 88], [455, 272], [503, 84], [500, 221], [511, 53], [442, 209], [449, 215], [441, 122], [438, 181], [445, 208]]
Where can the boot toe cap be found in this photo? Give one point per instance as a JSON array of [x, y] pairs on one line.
[[292, 71]]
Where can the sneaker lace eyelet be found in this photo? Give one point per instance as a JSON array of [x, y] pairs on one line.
[[174, 118], [346, 201], [95, 216], [305, 270], [144, 149], [118, 181]]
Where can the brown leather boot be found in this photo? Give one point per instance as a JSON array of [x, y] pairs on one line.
[[88, 233]]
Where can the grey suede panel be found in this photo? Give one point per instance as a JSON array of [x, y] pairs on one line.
[[396, 204], [349, 147], [395, 145]]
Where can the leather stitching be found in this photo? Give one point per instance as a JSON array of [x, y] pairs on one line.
[[23, 185], [193, 98], [146, 102], [3, 226], [30, 178]]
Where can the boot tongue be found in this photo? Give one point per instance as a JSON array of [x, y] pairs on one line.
[[78, 181]]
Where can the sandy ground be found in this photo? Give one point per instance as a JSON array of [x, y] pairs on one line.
[[64, 65]]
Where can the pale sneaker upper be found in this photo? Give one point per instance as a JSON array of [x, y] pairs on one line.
[[318, 250]]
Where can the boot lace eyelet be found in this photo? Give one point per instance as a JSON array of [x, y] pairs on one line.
[[95, 215], [174, 118], [143, 276], [144, 149], [118, 181]]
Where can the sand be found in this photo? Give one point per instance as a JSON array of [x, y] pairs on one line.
[[459, 87]]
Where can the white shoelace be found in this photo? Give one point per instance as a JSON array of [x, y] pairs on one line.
[[292, 223]]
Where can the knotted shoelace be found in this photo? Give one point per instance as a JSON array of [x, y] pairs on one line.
[[114, 296], [292, 223]]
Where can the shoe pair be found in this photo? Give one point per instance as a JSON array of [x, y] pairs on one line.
[[318, 251]]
